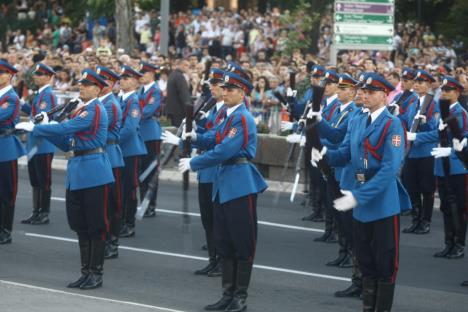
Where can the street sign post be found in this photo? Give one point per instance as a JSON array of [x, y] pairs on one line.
[[364, 24]]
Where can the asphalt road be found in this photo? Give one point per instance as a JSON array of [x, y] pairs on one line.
[[155, 269]]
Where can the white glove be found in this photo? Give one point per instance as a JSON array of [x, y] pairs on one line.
[[442, 125], [457, 145], [396, 111], [439, 152], [317, 155], [286, 125], [346, 202], [26, 125], [192, 135], [411, 136], [420, 117], [184, 164], [170, 138], [303, 141], [45, 119], [203, 114], [318, 115], [293, 138], [290, 92]]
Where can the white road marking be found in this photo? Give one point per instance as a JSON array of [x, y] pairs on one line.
[[135, 304], [193, 214], [184, 256]]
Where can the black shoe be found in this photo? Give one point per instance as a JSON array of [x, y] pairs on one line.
[[347, 262], [127, 231], [331, 239], [204, 247], [5, 237], [31, 218], [150, 212], [237, 305], [423, 228], [322, 238], [351, 291], [464, 284], [211, 265], [337, 261], [444, 252], [457, 252], [319, 218], [217, 271], [221, 305], [42, 218], [309, 217], [78, 282], [411, 228], [92, 281]]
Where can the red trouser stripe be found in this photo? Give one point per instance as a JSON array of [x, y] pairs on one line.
[[397, 247], [106, 220], [252, 223]]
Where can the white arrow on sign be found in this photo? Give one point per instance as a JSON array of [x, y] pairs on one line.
[[338, 38]]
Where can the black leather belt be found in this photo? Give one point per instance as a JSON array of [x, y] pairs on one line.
[[111, 142], [236, 161], [364, 177], [88, 152]]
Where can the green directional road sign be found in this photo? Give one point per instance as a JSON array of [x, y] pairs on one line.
[[363, 18], [360, 39], [371, 1]]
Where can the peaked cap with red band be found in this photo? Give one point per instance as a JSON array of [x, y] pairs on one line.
[[347, 81], [5, 66], [375, 82], [127, 71], [107, 74], [216, 76], [423, 75], [450, 83], [317, 71], [232, 80], [43, 69], [237, 69], [89, 76], [147, 67], [408, 73], [331, 76]]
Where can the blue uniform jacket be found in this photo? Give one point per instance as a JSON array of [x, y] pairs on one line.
[[151, 105], [86, 130], [114, 119], [406, 108], [235, 137], [432, 122], [9, 116], [333, 132], [42, 102], [300, 105], [382, 144], [131, 142], [213, 120], [432, 137]]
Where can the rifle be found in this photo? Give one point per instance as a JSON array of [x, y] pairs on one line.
[[444, 142], [452, 124], [406, 94], [313, 134], [186, 154], [422, 111], [290, 99]]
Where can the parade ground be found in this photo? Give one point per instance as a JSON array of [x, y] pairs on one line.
[[155, 269]]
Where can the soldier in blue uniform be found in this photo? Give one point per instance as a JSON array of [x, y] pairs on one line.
[[235, 187], [132, 146], [85, 134], [150, 129], [453, 186], [375, 147], [332, 134], [114, 120], [206, 175], [330, 106], [40, 165], [407, 105], [11, 148], [418, 174]]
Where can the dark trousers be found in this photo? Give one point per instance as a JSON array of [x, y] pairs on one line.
[[8, 190], [40, 170], [114, 213], [235, 227], [454, 190], [130, 184], [87, 212], [153, 147], [377, 248], [206, 213], [176, 120], [419, 180]]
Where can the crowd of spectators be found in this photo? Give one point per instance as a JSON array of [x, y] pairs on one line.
[[256, 41]]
